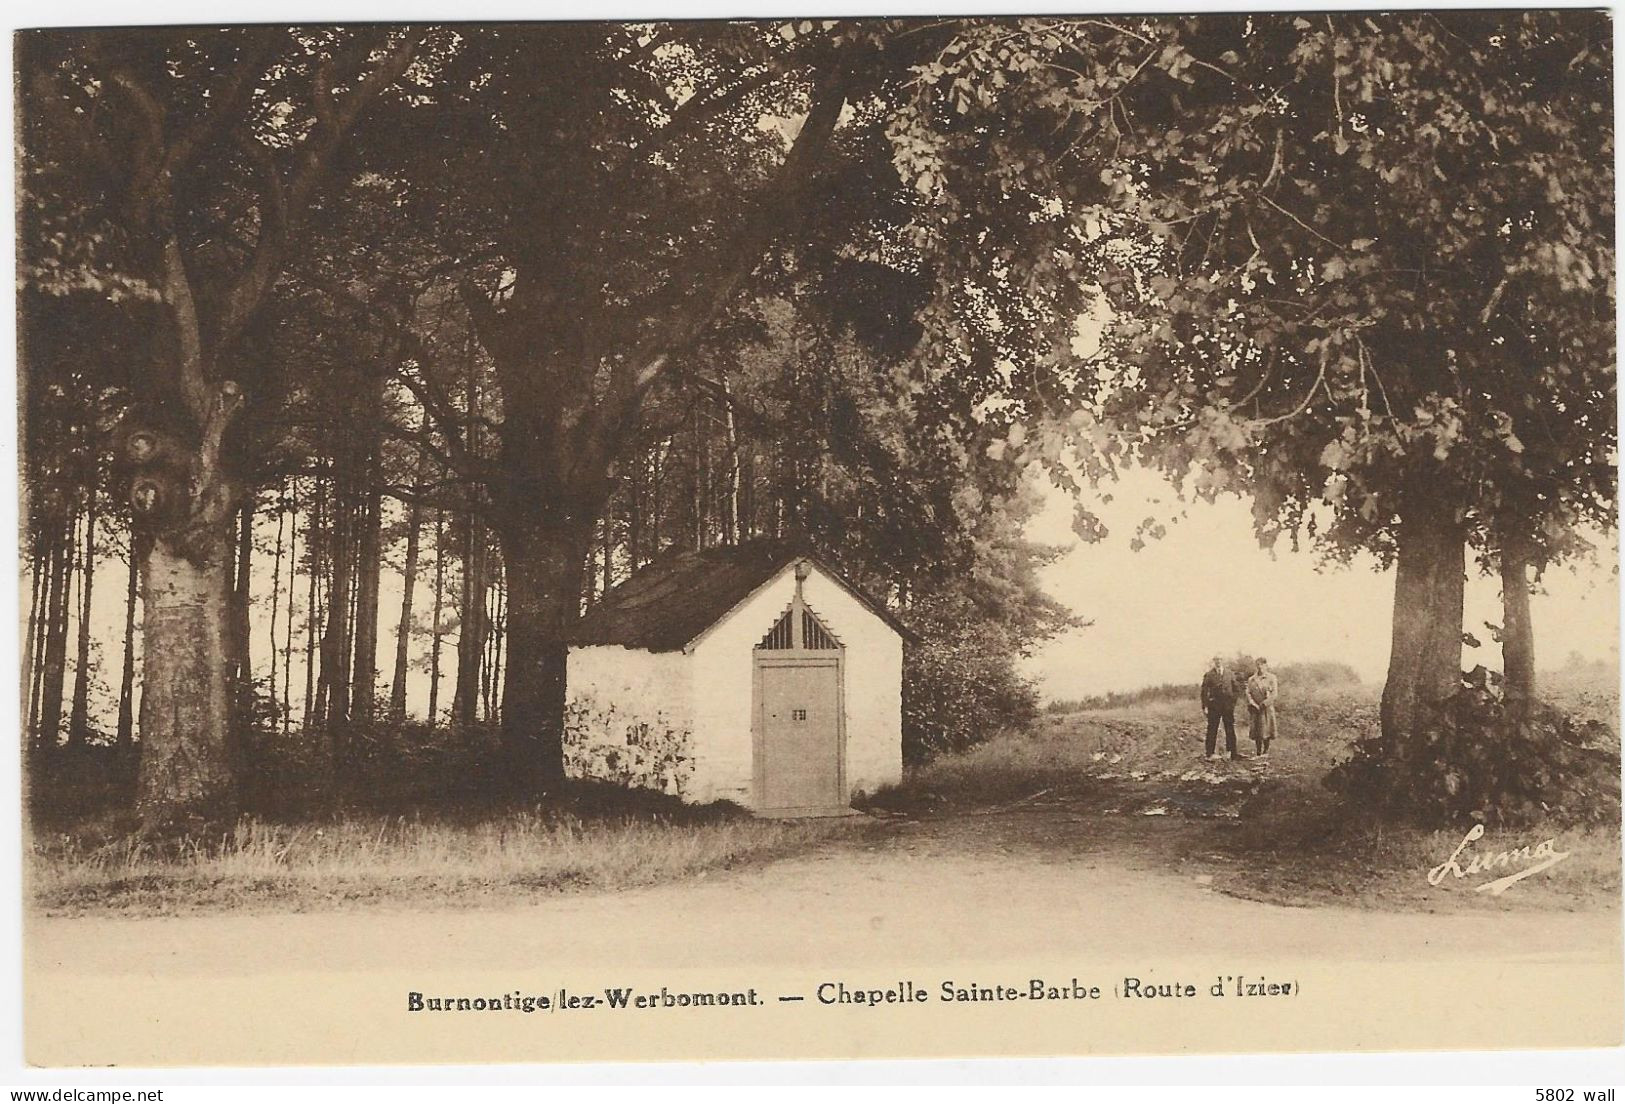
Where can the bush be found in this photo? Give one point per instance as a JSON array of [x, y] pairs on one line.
[[959, 692], [389, 766], [1474, 758]]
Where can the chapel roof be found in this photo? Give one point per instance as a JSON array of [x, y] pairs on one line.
[[671, 601]]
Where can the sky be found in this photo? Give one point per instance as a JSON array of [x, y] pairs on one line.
[[1158, 615], [1206, 588]]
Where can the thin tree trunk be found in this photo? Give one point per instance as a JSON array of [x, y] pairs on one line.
[[79, 714], [126, 690], [276, 580], [56, 643], [499, 625], [471, 629], [51, 600], [747, 505], [240, 672], [287, 628], [333, 687], [241, 601], [409, 579], [656, 486], [31, 640], [730, 511], [634, 512], [365, 678], [45, 566], [1518, 627], [487, 661], [314, 618], [352, 618], [439, 611], [471, 632], [697, 503]]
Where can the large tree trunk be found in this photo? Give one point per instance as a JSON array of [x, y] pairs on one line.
[[1517, 628], [1424, 665], [183, 507], [544, 569], [185, 778], [563, 429]]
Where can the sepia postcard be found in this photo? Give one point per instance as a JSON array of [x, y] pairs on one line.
[[822, 538]]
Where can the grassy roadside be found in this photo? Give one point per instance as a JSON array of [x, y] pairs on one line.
[[1131, 780], [412, 861], [1260, 830]]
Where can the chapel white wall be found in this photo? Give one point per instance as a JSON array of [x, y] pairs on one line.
[[874, 684], [723, 663], [629, 686]]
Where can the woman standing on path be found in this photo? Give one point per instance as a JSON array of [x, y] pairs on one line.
[[1261, 691]]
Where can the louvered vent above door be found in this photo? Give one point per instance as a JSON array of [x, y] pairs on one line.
[[779, 638], [814, 637], [813, 634]]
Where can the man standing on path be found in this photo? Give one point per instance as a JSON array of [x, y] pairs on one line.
[[1219, 704]]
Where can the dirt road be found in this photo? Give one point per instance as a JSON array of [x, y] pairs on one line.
[[933, 898], [928, 890]]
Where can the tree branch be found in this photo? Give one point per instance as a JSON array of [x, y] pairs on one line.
[[227, 98], [54, 91], [741, 256], [334, 117], [177, 289], [490, 327], [471, 467], [435, 402], [1320, 377]]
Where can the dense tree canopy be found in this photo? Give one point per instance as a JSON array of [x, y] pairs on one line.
[[579, 293], [1361, 270]]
